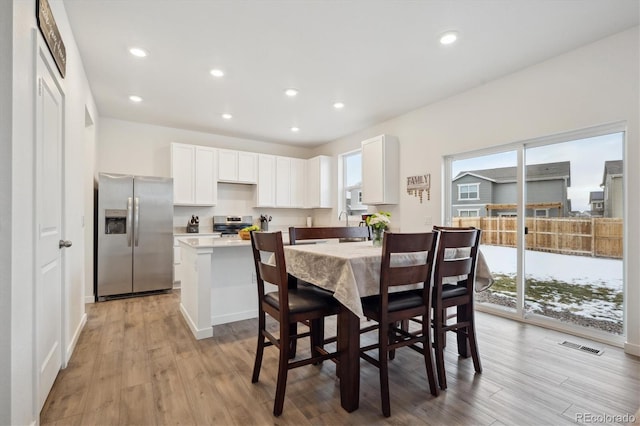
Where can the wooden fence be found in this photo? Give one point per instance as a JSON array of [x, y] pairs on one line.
[[598, 237]]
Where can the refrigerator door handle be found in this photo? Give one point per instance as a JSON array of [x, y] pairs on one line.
[[129, 220], [136, 221]]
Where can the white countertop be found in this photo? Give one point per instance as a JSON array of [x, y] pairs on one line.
[[194, 241], [196, 234]]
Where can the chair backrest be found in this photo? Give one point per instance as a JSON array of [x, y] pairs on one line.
[[456, 257], [270, 245], [323, 233], [406, 243]]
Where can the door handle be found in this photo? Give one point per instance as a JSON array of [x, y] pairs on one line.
[[64, 244], [136, 221], [129, 220]]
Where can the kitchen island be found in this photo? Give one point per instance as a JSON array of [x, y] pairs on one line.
[[218, 284]]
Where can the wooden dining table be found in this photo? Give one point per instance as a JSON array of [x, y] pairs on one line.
[[352, 271]]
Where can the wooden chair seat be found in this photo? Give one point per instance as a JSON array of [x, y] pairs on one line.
[[303, 300]]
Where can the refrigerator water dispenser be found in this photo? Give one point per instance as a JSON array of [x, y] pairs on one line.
[[115, 221]]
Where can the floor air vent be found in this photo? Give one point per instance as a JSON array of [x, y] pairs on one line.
[[582, 348]]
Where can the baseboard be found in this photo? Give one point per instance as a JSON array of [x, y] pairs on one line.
[[197, 333], [90, 299], [74, 340], [236, 316], [632, 349]]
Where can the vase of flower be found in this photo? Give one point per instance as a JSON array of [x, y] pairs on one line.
[[378, 222], [377, 236]]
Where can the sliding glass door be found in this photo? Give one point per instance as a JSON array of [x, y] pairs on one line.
[[573, 259], [484, 195], [551, 213]]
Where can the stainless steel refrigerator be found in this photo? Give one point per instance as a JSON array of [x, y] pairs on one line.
[[135, 234]]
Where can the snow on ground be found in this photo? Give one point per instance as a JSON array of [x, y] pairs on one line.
[[543, 266], [575, 270]]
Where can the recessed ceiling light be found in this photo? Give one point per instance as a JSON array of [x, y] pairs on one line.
[[295, 129], [227, 116], [449, 37], [291, 92], [135, 98], [136, 51], [217, 73], [338, 105]]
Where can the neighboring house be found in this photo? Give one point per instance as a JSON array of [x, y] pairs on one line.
[[612, 185], [493, 192], [596, 203]]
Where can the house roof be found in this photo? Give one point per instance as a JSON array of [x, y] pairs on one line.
[[596, 196], [545, 171], [612, 167]]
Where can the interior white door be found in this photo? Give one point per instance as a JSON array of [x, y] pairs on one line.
[[49, 236]]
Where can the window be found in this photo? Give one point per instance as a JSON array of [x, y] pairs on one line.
[[352, 183], [468, 212], [542, 213], [469, 191]]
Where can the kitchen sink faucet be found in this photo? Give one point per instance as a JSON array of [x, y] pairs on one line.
[[346, 215]]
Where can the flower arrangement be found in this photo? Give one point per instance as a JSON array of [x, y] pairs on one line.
[[378, 223]]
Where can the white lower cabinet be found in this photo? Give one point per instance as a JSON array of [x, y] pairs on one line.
[[177, 261]]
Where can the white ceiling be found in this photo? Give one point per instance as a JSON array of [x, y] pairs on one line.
[[381, 58]]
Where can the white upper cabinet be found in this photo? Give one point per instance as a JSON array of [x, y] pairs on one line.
[[298, 182], [380, 170], [194, 172], [237, 166], [318, 182], [281, 182], [266, 188]]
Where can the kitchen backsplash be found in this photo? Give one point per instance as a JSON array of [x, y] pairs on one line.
[[237, 199]]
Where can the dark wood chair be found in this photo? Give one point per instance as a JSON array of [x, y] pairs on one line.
[[458, 294], [330, 232], [389, 309], [288, 307], [342, 233]]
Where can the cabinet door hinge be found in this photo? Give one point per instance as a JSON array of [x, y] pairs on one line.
[[39, 86]]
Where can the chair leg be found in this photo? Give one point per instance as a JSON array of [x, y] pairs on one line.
[[428, 356], [316, 328], [438, 337], [383, 354], [283, 370], [293, 340], [391, 336], [473, 343], [259, 349], [461, 333]]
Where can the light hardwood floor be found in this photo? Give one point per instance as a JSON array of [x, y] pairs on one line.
[[136, 363]]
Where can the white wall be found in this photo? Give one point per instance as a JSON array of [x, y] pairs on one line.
[[78, 100], [144, 149], [6, 40], [592, 85], [78, 95]]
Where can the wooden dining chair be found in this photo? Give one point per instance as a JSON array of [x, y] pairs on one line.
[[390, 309], [287, 306], [342, 233], [329, 232], [453, 286]]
